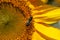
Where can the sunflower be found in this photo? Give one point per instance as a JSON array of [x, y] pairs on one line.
[[25, 20], [44, 17], [15, 20]]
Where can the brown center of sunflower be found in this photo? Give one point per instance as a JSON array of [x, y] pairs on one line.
[[12, 24]]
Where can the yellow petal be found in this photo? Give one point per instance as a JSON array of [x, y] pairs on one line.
[[36, 36], [48, 31], [48, 17]]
